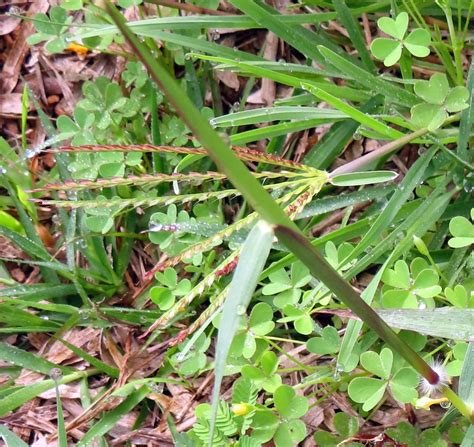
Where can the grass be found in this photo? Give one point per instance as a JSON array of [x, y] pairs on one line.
[[373, 303]]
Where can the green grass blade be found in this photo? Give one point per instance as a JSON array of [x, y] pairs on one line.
[[98, 364], [467, 120], [401, 195], [371, 82], [110, 419], [332, 203], [363, 178], [38, 291], [29, 246], [354, 326], [28, 360], [61, 431], [251, 262], [267, 114], [319, 90], [209, 22], [468, 440], [445, 322], [333, 143], [276, 130], [19, 397], [353, 28], [10, 439], [466, 379]]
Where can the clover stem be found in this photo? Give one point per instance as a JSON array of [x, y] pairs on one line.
[[456, 45], [462, 407]]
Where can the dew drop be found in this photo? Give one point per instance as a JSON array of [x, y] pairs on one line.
[[445, 405], [30, 153], [2, 170], [240, 309], [55, 374], [14, 11]]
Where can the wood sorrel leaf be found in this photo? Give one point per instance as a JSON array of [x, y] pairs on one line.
[[367, 390], [457, 99], [363, 178], [379, 364], [433, 91], [395, 28], [388, 50], [288, 403], [417, 42]]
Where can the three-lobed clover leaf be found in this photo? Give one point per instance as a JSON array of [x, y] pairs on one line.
[[454, 367], [329, 342], [390, 50], [172, 242], [440, 99], [401, 291], [265, 375], [346, 427], [291, 406], [259, 323], [408, 435], [164, 296], [458, 296], [370, 390], [51, 29], [195, 359], [462, 230], [286, 288]]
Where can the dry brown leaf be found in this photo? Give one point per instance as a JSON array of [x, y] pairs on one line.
[[10, 104], [12, 66], [8, 24]]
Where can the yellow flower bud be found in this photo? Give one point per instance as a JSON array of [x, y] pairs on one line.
[[241, 409]]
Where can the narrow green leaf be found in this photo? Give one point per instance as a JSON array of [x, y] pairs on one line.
[[333, 143], [27, 360], [445, 322], [110, 419], [355, 33], [363, 178], [10, 439], [466, 379], [99, 364], [267, 114], [252, 259], [371, 82], [26, 393]]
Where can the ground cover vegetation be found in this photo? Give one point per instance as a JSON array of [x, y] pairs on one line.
[[245, 223]]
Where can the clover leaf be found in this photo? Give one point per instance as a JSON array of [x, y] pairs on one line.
[[172, 242], [286, 288], [401, 291], [458, 296], [286, 430], [408, 435], [439, 99], [390, 50], [462, 230], [164, 296], [370, 390], [195, 358], [346, 427], [454, 367], [329, 342], [265, 375], [259, 323], [51, 29]]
